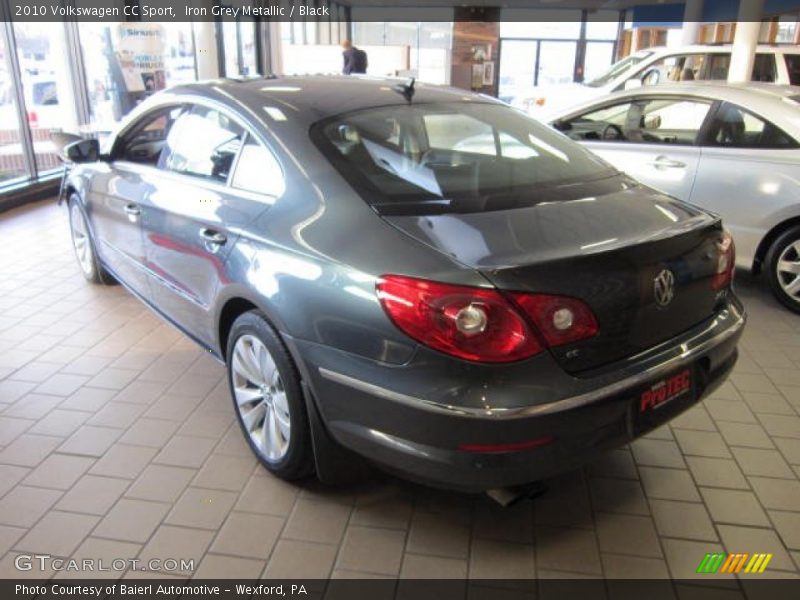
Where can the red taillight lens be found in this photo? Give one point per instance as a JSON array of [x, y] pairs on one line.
[[726, 262], [468, 322], [560, 320], [480, 324]]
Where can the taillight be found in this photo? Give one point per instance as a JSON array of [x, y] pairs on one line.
[[560, 320], [481, 324], [726, 262]]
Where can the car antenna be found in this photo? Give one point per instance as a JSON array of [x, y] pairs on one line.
[[406, 90]]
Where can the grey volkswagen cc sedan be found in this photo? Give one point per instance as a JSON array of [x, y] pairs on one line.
[[408, 275]]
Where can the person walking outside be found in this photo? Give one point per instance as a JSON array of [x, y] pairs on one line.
[[355, 59]]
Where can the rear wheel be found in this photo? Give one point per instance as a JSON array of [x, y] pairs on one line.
[[83, 244], [783, 264], [268, 398]]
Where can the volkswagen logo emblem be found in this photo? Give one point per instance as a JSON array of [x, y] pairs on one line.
[[664, 288]]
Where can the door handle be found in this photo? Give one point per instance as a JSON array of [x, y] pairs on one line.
[[214, 237], [662, 162], [132, 210]]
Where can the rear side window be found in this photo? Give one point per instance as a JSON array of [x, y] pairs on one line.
[[793, 67], [455, 157], [203, 143], [735, 127], [257, 170]]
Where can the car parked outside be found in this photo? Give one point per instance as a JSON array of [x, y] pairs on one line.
[[731, 149], [384, 289]]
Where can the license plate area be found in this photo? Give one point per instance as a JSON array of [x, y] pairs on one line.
[[661, 399]]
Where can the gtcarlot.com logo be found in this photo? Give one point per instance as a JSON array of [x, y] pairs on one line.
[[720, 562], [45, 562]]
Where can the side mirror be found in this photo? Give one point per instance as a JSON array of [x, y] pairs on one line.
[[561, 125], [633, 84], [83, 151]]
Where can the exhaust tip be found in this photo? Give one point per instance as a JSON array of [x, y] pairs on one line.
[[509, 496]]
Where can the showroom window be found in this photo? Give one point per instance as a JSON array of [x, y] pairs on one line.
[[240, 48], [12, 154], [126, 62]]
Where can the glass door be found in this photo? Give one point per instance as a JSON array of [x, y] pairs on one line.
[[556, 64], [517, 69]]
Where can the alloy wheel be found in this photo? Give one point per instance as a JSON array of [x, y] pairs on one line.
[[80, 240], [788, 270], [261, 397]]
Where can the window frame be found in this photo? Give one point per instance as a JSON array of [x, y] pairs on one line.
[[186, 102]]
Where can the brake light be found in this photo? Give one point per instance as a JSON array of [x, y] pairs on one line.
[[506, 447], [481, 324], [560, 320], [726, 262]]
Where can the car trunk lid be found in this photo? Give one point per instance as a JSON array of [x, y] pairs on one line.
[[642, 261]]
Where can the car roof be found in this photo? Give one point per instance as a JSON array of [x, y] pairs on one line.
[[762, 48], [311, 98]]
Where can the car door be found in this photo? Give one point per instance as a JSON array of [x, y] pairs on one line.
[[749, 173], [118, 193], [195, 215], [652, 138]]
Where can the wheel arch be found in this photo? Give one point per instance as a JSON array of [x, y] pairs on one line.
[[769, 239]]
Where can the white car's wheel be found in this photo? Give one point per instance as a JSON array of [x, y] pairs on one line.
[[82, 242], [783, 268]]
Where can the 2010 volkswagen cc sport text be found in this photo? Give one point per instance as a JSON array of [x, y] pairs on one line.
[[407, 275]]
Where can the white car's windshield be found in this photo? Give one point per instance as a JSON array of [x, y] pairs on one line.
[[618, 68]]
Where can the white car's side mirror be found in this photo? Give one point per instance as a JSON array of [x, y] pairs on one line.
[[633, 84]]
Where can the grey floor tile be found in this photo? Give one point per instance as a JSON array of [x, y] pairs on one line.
[[717, 472], [215, 566], [702, 443], [11, 475], [123, 461], [202, 508], [185, 451], [11, 429], [787, 524], [266, 494], [658, 453], [154, 433], [749, 435], [669, 484], [767, 463], [59, 471], [317, 521], [437, 535], [249, 535], [684, 556], [416, 566], [178, 543], [132, 520], [618, 495], [730, 410], [90, 441], [23, 506], [372, 549], [780, 494], [781, 425], [28, 450], [734, 506], [160, 483], [293, 559], [61, 423], [57, 533], [491, 559], [116, 414], [616, 566], [686, 520], [567, 549], [742, 539], [627, 534], [225, 472], [93, 495]]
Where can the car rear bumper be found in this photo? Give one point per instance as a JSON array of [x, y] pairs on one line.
[[563, 421]]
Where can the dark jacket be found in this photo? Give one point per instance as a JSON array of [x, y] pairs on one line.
[[355, 61]]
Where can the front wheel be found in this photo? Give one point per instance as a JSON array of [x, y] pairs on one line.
[[83, 244], [783, 268], [268, 398]]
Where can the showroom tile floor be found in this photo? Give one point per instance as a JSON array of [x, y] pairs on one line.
[[118, 440]]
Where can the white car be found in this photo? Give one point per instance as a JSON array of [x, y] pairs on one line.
[[732, 149], [773, 64]]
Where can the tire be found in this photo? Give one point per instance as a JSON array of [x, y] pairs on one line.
[[83, 244], [783, 268], [267, 397]]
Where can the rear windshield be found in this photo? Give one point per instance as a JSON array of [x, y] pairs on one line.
[[459, 157]]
